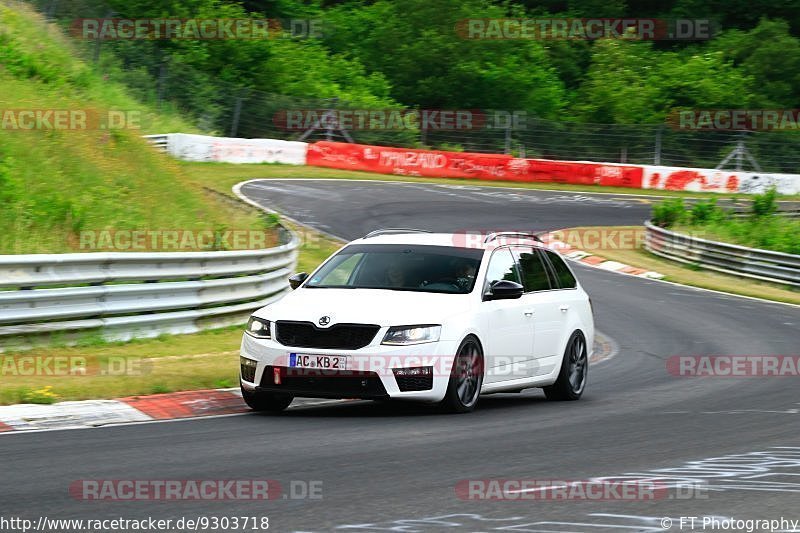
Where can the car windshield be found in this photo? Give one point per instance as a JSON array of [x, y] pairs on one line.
[[400, 267]]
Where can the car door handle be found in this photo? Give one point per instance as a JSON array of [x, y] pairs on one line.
[[564, 308], [528, 312]]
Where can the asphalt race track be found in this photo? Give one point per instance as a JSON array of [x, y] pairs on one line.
[[396, 468], [350, 209]]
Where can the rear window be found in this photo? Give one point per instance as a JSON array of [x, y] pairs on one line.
[[565, 278], [534, 272]]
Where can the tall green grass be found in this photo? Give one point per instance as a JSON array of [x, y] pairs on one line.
[[55, 183], [761, 228]]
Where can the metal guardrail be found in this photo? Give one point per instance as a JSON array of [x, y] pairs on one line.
[[128, 295], [781, 212], [765, 265]]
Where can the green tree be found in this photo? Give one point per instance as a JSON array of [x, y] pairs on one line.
[[629, 82], [420, 47], [770, 55]]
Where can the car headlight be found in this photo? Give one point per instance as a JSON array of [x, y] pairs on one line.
[[258, 328], [401, 335]]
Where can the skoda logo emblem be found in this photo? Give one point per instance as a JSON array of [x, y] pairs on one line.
[[324, 321]]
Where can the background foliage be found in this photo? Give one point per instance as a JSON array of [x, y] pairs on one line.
[[407, 52]]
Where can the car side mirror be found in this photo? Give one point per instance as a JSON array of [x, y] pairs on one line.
[[298, 279], [504, 290]]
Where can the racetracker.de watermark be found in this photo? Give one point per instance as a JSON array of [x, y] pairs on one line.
[[122, 490], [606, 489], [421, 366], [583, 29], [168, 29], [734, 366], [167, 240], [71, 365], [400, 119], [587, 239], [736, 119], [37, 119]]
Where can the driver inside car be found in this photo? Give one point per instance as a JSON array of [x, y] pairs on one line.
[[465, 274]]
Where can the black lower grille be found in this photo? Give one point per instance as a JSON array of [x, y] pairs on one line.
[[415, 379], [338, 336], [315, 383]]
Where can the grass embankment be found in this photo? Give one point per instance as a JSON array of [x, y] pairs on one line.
[[58, 180]]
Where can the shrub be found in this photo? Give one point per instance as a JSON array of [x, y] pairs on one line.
[[764, 204], [705, 211], [669, 212]]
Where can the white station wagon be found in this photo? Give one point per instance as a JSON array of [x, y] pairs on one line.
[[404, 314]]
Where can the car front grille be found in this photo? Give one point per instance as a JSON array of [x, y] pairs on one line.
[[316, 383], [337, 337]]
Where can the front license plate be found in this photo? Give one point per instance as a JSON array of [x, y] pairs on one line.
[[326, 362]]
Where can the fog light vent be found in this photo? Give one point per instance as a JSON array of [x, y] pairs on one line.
[[414, 379], [248, 369]]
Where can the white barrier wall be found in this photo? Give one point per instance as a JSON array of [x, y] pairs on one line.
[[228, 150], [706, 180]]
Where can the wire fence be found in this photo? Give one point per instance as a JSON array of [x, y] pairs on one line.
[[161, 80], [255, 114]]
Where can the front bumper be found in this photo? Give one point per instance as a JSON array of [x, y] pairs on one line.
[[372, 371]]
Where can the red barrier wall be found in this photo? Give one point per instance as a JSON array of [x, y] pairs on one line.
[[439, 164], [407, 162], [611, 175]]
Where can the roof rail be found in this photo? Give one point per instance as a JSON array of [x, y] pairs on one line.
[[494, 235], [393, 231]]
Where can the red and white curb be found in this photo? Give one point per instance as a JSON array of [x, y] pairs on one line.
[[130, 410], [596, 261], [68, 415], [95, 413]]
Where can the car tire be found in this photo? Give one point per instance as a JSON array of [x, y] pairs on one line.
[[574, 372], [466, 378], [266, 401]]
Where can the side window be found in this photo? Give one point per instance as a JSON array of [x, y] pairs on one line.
[[501, 267], [534, 272], [565, 277]]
